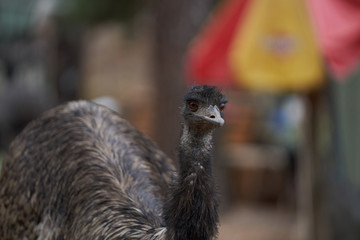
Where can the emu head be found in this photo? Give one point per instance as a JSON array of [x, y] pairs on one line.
[[203, 108]]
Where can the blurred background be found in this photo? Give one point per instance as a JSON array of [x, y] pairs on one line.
[[287, 159]]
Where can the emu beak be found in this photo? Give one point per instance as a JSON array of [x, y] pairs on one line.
[[212, 115]]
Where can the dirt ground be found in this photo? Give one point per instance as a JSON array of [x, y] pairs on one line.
[[257, 223]]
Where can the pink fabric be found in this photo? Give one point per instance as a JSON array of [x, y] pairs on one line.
[[337, 26]]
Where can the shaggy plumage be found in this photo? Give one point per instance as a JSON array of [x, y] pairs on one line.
[[82, 172]]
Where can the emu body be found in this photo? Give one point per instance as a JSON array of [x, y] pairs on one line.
[[82, 172]]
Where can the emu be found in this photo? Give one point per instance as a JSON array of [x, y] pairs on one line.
[[80, 171]]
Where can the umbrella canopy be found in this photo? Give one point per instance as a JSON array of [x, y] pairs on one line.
[[337, 24], [207, 59], [257, 44]]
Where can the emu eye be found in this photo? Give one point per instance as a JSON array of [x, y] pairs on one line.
[[193, 105], [222, 107]]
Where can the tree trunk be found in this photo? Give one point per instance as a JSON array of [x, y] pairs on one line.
[[176, 24]]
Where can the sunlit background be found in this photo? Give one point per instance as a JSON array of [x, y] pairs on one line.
[[288, 158]]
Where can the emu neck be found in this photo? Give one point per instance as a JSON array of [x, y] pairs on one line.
[[191, 213], [195, 151]]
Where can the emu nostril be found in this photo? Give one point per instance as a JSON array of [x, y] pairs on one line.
[[212, 116]]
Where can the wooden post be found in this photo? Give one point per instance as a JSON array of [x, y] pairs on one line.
[[311, 178]]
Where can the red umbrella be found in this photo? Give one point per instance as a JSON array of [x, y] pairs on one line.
[[337, 24], [207, 60], [337, 27]]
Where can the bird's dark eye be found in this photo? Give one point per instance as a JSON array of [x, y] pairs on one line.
[[193, 105], [222, 107]]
